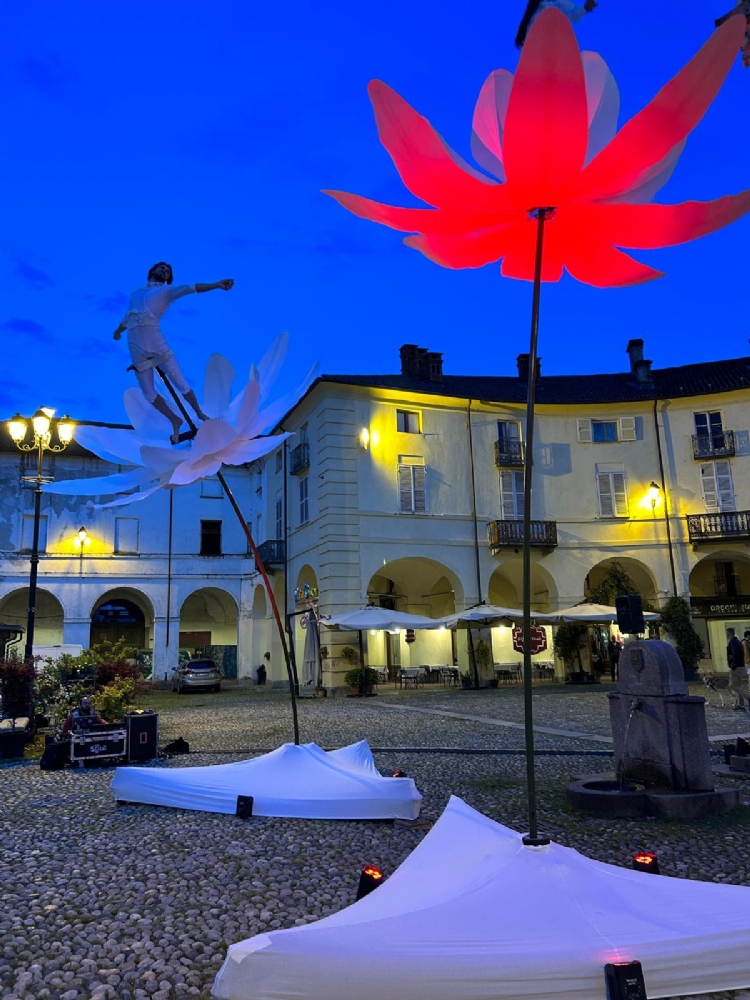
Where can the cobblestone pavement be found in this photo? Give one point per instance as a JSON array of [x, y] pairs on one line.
[[100, 901]]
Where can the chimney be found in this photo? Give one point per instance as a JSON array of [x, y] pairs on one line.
[[523, 367], [419, 363], [639, 367]]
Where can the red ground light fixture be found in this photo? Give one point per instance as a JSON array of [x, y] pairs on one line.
[[645, 861], [399, 774], [369, 879]]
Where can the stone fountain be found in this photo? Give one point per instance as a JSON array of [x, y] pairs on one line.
[[662, 758]]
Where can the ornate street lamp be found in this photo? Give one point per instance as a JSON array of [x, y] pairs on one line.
[[41, 431]]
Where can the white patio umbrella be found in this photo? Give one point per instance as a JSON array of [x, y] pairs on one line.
[[594, 614], [473, 913], [378, 620], [487, 616], [311, 651]]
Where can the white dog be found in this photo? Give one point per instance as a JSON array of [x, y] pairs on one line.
[[718, 683]]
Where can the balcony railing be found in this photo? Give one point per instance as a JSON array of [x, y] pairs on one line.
[[272, 553], [508, 453], [710, 527], [720, 444], [299, 459], [509, 535]]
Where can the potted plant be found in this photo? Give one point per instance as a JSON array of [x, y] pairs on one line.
[[678, 623], [352, 679], [569, 638], [465, 679]]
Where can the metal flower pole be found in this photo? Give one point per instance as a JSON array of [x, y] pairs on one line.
[[253, 548], [532, 838]]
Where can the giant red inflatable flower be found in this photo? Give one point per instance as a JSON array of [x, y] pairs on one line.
[[548, 138]]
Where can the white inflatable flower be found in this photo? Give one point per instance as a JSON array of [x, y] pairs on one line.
[[231, 436]]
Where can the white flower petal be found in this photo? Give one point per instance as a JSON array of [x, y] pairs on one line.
[[113, 444], [101, 485], [270, 416], [190, 472], [240, 452], [217, 386], [603, 100], [162, 460], [151, 426], [249, 409], [270, 364], [212, 436], [130, 498]]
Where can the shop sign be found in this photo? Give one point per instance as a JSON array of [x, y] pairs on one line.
[[720, 607], [538, 639]]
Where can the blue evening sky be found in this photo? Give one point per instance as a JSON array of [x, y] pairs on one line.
[[203, 133]]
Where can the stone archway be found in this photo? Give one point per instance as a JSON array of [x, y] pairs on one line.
[[208, 627], [720, 599], [48, 620], [123, 613], [305, 598], [419, 586], [639, 573], [505, 589]]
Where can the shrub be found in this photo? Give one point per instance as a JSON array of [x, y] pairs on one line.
[[16, 685], [116, 698], [569, 638], [677, 620], [106, 673]]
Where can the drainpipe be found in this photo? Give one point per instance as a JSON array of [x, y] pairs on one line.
[[666, 505], [474, 505]]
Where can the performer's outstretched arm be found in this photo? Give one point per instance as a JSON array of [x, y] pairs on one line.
[[119, 331], [225, 284]]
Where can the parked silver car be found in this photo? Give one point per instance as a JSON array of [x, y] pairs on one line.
[[196, 675]]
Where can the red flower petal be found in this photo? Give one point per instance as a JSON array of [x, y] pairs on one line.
[[647, 227], [673, 114], [596, 262], [469, 250], [426, 165], [489, 122], [521, 256], [546, 128], [431, 221]]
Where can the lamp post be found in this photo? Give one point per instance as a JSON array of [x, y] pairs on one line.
[[81, 539], [653, 494], [41, 427]]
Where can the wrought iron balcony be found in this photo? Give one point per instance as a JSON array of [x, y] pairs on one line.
[[719, 444], [509, 535], [299, 459], [717, 527], [508, 453], [272, 553]]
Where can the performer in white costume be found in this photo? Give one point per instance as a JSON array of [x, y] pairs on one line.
[[572, 10], [147, 344]]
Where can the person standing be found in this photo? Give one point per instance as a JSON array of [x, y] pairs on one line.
[[746, 649], [613, 652], [737, 670]]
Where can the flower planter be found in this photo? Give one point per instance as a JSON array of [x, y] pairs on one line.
[[12, 743], [320, 692]]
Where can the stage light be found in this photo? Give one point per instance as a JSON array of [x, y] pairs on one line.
[[244, 808], [399, 774], [645, 861], [625, 981], [369, 879]]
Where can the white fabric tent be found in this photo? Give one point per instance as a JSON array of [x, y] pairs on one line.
[[601, 614], [472, 914], [300, 781]]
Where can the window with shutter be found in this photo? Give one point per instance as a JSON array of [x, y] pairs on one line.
[[627, 428], [511, 495], [304, 508], [412, 489], [612, 494], [584, 430], [716, 485]]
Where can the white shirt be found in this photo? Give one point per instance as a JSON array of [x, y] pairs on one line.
[[146, 307]]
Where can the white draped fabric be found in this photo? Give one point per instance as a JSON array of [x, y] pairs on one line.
[[472, 914], [300, 781]]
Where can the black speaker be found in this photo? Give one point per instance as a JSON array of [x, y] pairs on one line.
[[244, 807], [143, 735], [630, 614]]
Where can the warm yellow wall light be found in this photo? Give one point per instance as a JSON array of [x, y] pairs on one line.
[[364, 438], [653, 493]]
